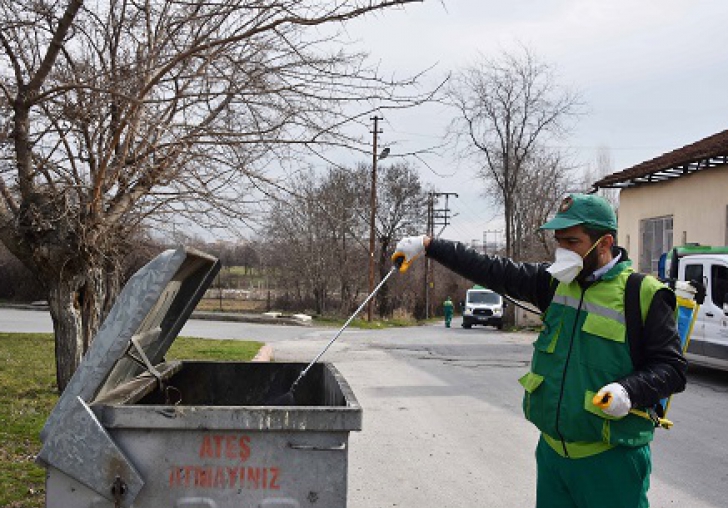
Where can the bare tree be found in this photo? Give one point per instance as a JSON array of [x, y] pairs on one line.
[[547, 177], [122, 114], [505, 108], [323, 229], [601, 167], [319, 235], [339, 194], [401, 210]]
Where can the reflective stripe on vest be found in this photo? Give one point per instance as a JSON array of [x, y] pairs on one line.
[[591, 308], [575, 450]]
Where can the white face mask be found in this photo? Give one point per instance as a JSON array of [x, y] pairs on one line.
[[567, 265]]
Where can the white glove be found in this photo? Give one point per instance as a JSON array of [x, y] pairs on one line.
[[409, 249], [613, 399]]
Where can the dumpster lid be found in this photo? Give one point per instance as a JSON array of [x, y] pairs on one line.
[[141, 326]]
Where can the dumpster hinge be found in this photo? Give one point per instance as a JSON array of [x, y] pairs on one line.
[[144, 361]]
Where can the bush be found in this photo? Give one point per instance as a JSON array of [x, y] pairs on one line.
[[18, 283]]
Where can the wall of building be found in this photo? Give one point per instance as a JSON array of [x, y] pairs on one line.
[[697, 202]]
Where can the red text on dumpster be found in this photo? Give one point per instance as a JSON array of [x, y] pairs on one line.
[[219, 446], [221, 477], [220, 459]]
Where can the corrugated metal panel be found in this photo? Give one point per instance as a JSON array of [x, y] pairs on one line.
[[706, 153]]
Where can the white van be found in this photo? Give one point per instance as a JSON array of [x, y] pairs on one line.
[[709, 266], [482, 307]]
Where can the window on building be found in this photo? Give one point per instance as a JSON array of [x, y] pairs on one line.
[[656, 236]]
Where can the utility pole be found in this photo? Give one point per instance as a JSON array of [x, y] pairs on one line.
[[373, 207], [428, 265], [435, 217]]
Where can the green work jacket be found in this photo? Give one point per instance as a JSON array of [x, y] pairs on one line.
[[581, 348]]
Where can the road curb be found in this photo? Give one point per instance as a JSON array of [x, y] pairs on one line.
[[250, 318], [265, 354]]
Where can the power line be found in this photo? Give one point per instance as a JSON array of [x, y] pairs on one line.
[[441, 216]]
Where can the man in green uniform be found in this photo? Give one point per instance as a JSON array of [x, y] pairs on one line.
[[448, 309], [586, 375]]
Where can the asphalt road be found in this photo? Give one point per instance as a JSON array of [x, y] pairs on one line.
[[442, 417], [443, 423]]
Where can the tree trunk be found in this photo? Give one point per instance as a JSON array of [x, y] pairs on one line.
[[77, 305], [318, 300], [79, 289], [507, 212]]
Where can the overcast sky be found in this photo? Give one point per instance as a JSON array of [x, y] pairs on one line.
[[653, 75]]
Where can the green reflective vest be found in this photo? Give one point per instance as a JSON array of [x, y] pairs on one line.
[[581, 348]]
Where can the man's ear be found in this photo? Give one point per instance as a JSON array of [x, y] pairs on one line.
[[608, 242]]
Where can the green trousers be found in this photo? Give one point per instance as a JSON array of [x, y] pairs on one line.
[[448, 317], [617, 478]]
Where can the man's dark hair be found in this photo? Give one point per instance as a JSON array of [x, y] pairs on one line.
[[596, 234]]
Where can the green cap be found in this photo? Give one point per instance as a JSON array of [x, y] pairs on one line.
[[589, 210]]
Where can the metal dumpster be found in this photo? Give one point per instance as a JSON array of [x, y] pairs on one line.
[[134, 430]]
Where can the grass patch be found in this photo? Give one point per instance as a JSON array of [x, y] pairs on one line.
[[187, 348], [27, 379]]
